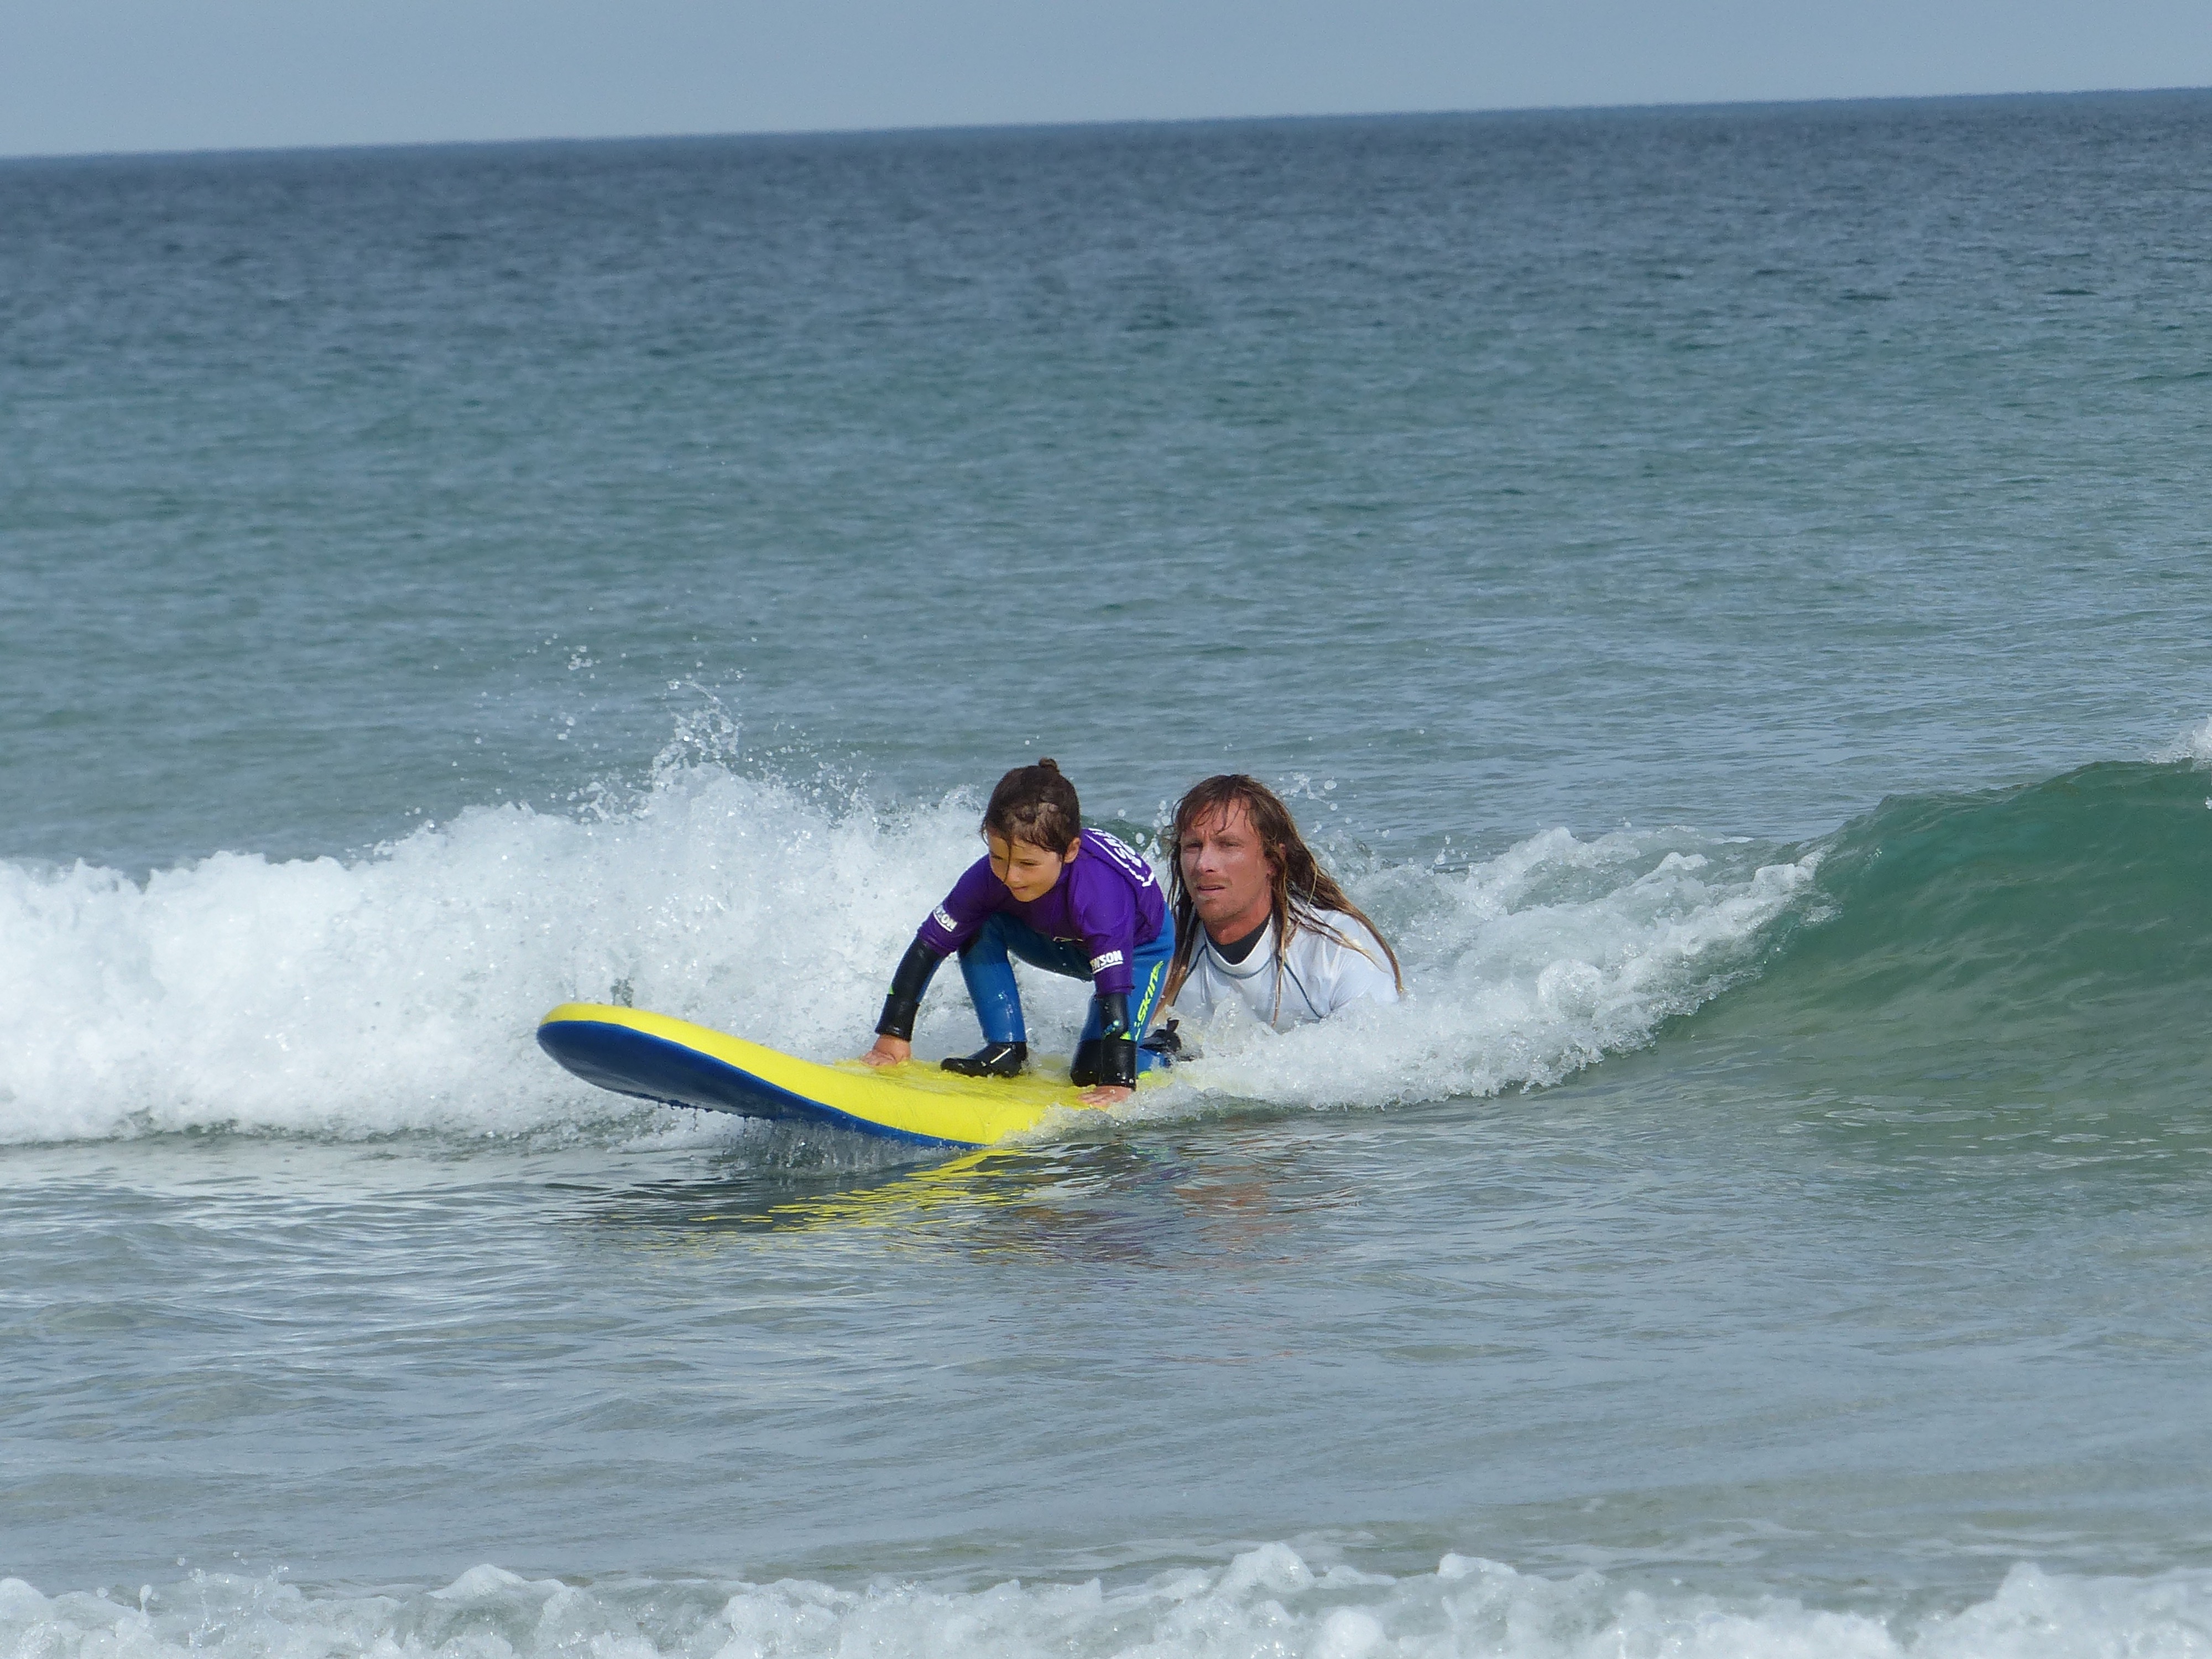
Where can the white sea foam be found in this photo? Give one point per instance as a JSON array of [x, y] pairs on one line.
[[2194, 745], [1522, 969], [400, 990], [1269, 1600]]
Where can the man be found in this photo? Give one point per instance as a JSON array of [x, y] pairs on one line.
[[1258, 919]]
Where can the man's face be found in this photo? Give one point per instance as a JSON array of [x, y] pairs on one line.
[[1226, 871]]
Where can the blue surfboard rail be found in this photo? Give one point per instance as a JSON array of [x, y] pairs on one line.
[[649, 1067]]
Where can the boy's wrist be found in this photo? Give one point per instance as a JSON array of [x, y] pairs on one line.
[[1117, 1063]]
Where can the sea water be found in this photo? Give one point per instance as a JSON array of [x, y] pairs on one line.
[[1727, 589]]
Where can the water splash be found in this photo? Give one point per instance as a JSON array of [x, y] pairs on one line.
[[2193, 745], [1269, 1600], [399, 990]]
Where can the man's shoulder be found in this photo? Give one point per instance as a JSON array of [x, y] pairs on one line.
[[1336, 929], [1348, 951]]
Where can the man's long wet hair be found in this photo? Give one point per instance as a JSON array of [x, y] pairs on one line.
[[1301, 889], [1037, 805]]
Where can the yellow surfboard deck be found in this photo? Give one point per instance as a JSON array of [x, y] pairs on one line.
[[656, 1057]]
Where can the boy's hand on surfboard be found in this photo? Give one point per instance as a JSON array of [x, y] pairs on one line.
[[1104, 1097], [889, 1051]]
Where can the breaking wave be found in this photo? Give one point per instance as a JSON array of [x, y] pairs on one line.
[[1267, 1602], [2068, 924], [400, 990]]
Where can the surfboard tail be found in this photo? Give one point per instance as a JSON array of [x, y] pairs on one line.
[[656, 1057]]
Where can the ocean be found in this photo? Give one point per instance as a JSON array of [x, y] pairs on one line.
[[1726, 588]]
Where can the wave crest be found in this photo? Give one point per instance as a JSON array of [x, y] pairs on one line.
[[2049, 941], [1266, 1602], [2046, 949], [399, 990]]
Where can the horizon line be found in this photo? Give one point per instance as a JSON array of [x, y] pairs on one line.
[[952, 128]]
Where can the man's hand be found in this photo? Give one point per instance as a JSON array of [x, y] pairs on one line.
[[1105, 1095], [889, 1051]]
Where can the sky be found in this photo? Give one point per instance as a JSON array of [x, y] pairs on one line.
[[81, 76]]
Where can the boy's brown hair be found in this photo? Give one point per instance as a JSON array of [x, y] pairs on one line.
[[1037, 805]]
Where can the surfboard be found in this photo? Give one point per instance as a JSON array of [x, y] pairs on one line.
[[656, 1057]]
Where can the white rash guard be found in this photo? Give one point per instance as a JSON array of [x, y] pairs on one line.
[[1320, 976]]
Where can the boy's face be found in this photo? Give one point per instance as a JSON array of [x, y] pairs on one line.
[[1028, 870]]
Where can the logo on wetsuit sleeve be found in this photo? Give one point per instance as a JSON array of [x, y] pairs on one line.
[[1111, 959], [1121, 854], [943, 919]]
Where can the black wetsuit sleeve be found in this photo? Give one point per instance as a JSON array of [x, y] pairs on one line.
[[1117, 1043], [904, 1002]]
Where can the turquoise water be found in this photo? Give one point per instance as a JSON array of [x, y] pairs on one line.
[[1725, 587]]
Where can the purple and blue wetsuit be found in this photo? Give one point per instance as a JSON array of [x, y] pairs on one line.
[[1105, 920], [1107, 901]]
